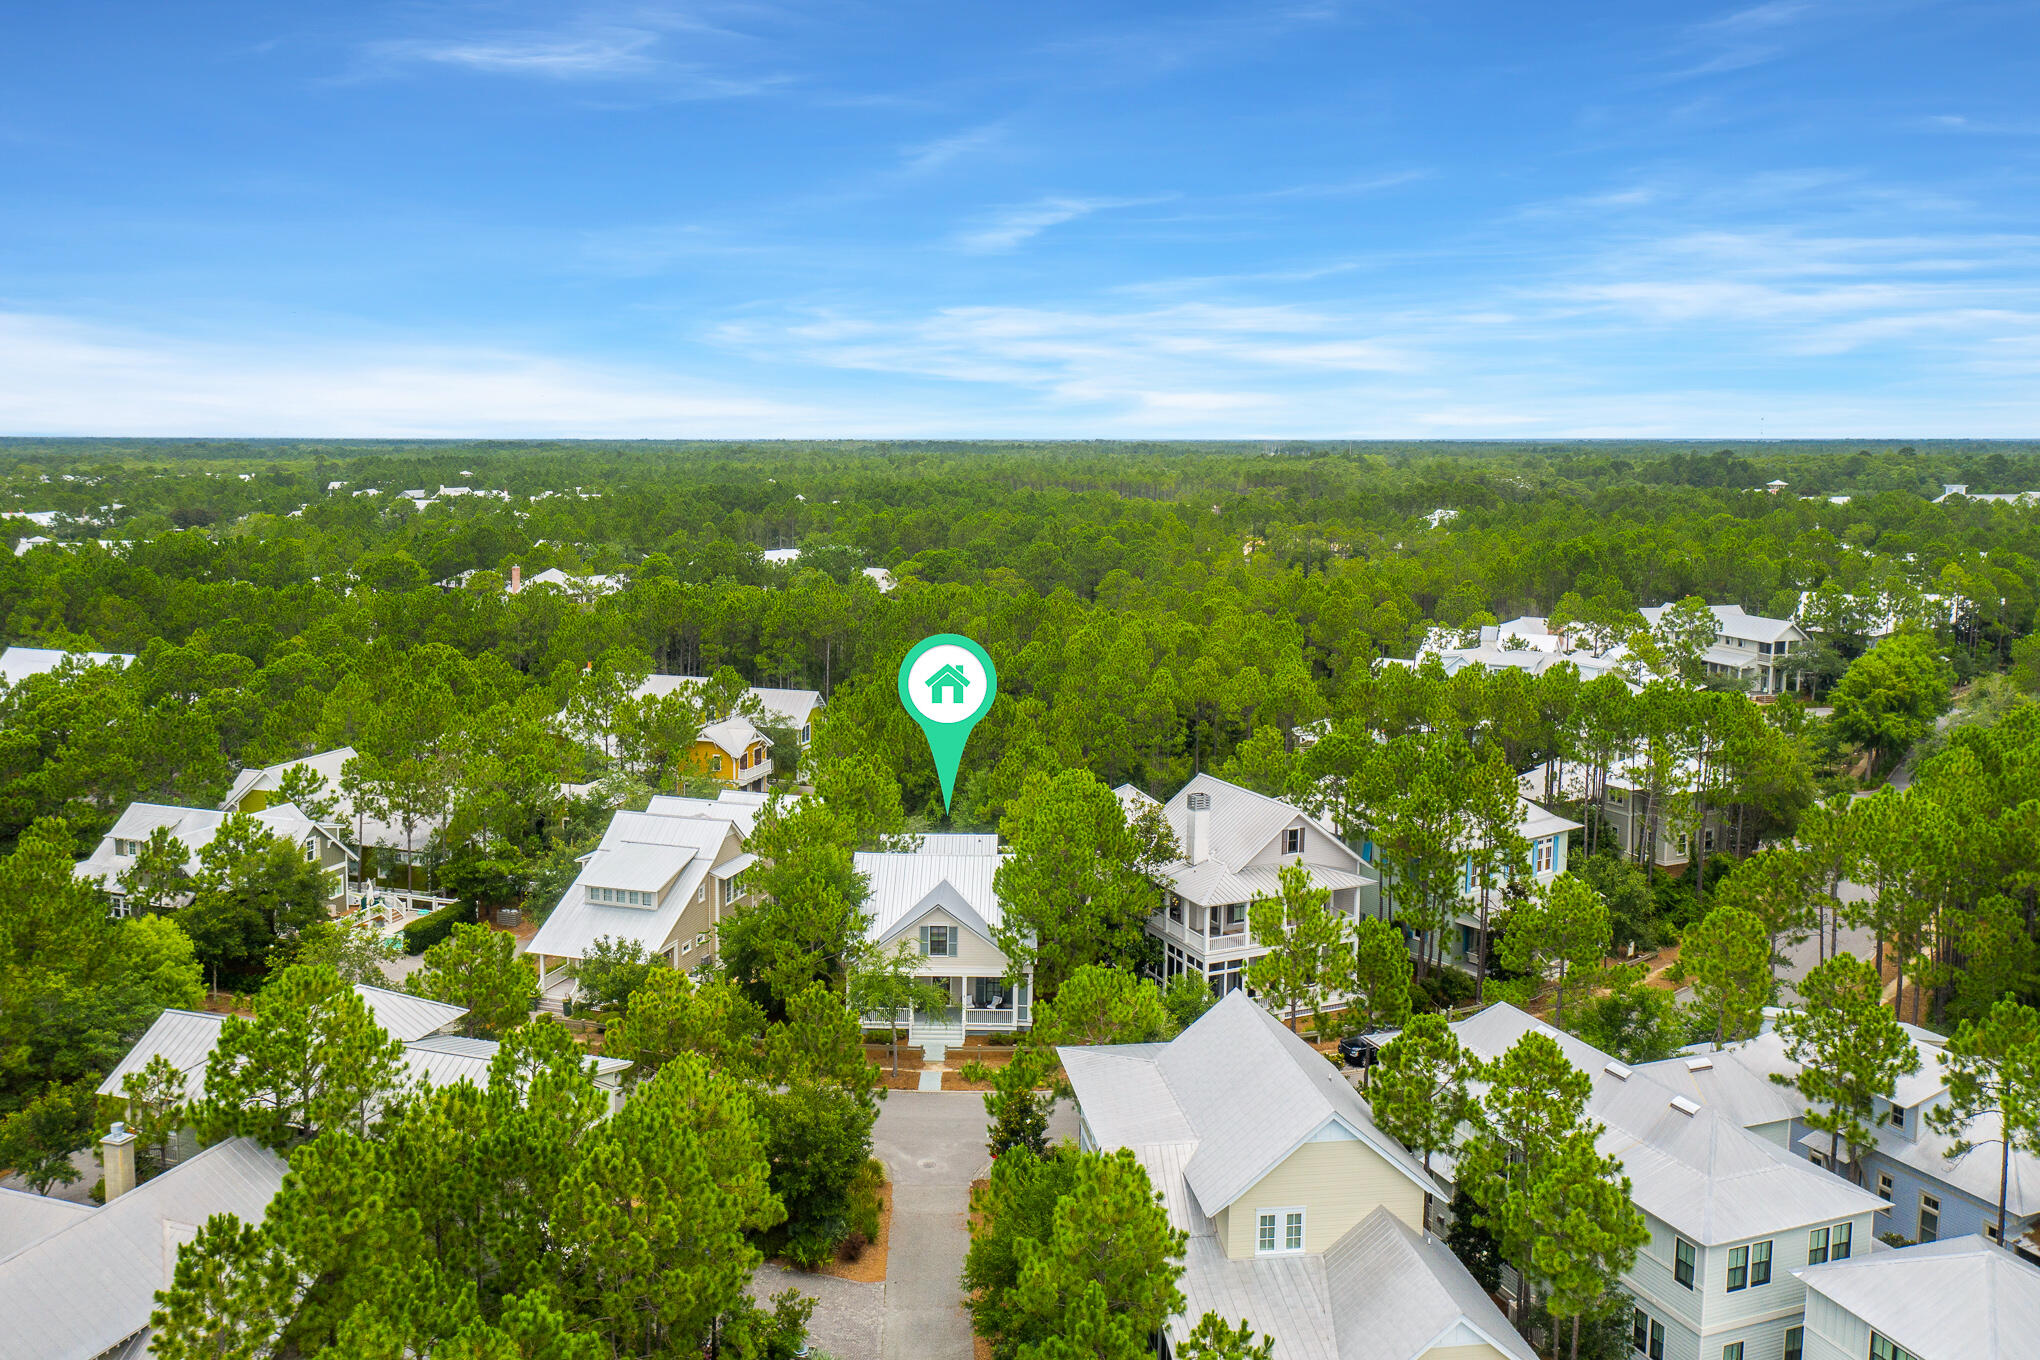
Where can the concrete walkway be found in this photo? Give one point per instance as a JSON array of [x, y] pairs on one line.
[[933, 1146]]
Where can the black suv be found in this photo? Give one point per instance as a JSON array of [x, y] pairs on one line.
[[1357, 1050]]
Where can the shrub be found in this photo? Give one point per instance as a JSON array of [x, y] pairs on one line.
[[427, 931]]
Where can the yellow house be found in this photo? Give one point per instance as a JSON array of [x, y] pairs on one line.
[[735, 753], [1303, 1217]]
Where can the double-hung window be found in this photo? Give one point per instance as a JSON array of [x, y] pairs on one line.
[[1278, 1231], [1817, 1247], [1795, 1343], [1760, 1264], [1292, 841], [1543, 853], [1738, 1268], [1930, 1217], [1732, 1351], [1682, 1262], [938, 942], [1646, 1335], [1884, 1186], [1840, 1241]]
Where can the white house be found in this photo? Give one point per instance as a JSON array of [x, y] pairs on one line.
[[1235, 843], [1303, 1217], [1749, 647], [79, 1282], [1731, 1215], [662, 882], [195, 828], [1963, 1299], [941, 899]]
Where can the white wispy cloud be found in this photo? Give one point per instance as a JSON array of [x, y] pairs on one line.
[[1009, 227], [605, 53], [928, 157]]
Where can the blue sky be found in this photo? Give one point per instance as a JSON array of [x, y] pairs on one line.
[[1043, 219]]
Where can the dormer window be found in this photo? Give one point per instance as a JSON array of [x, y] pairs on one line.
[[622, 897], [1278, 1232], [125, 847]]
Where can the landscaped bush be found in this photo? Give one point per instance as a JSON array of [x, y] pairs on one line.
[[427, 931]]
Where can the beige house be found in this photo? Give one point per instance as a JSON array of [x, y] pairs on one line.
[[1303, 1217], [661, 882], [939, 898]]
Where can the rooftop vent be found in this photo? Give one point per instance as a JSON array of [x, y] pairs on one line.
[[1684, 1105], [1618, 1070], [1200, 802], [1699, 1064]]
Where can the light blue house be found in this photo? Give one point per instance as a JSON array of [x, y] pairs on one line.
[[1928, 1195], [1548, 834]]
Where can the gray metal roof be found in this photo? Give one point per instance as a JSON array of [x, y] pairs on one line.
[[1241, 825], [1962, 1299], [28, 1218], [1699, 1171], [407, 1017], [1396, 1293], [901, 881], [186, 1038], [84, 1290], [1243, 1087], [1717, 1080]]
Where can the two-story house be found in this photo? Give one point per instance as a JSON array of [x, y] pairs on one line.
[[734, 752], [1924, 1194], [940, 898], [1549, 837], [1964, 1299], [195, 828], [1235, 843], [1303, 1217], [661, 882], [1749, 647], [796, 708], [1730, 1214]]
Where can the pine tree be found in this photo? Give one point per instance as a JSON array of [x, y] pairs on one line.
[[1309, 946], [1993, 1068], [1585, 1230], [1100, 1005], [671, 1015], [313, 1058], [1074, 889], [1850, 1049], [1418, 1089], [1380, 979], [480, 969], [1213, 1338], [1560, 932], [1728, 956]]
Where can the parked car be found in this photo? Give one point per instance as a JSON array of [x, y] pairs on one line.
[[1358, 1050]]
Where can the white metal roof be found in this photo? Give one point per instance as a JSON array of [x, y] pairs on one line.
[[185, 1038], [1731, 620], [407, 1017], [636, 866], [194, 828], [328, 764], [80, 1292], [18, 663], [901, 881], [28, 1218], [1244, 1089], [735, 734], [1699, 1171], [1397, 1293], [958, 843], [642, 843], [1962, 1299], [741, 814], [1748, 1098]]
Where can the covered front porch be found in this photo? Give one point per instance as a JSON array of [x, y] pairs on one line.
[[977, 1005]]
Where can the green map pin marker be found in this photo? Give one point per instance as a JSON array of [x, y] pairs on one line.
[[947, 684]]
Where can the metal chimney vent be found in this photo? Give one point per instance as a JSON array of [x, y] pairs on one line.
[[1200, 802]]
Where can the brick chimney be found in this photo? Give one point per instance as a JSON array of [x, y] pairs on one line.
[[1200, 827], [516, 577], [117, 1155]]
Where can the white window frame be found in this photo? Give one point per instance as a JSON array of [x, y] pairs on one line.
[[1841, 1241], [1278, 1223], [1543, 852], [949, 942], [1292, 841], [1934, 1201]]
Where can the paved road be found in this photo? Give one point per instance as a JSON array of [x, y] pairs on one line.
[[933, 1144], [849, 1315]]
